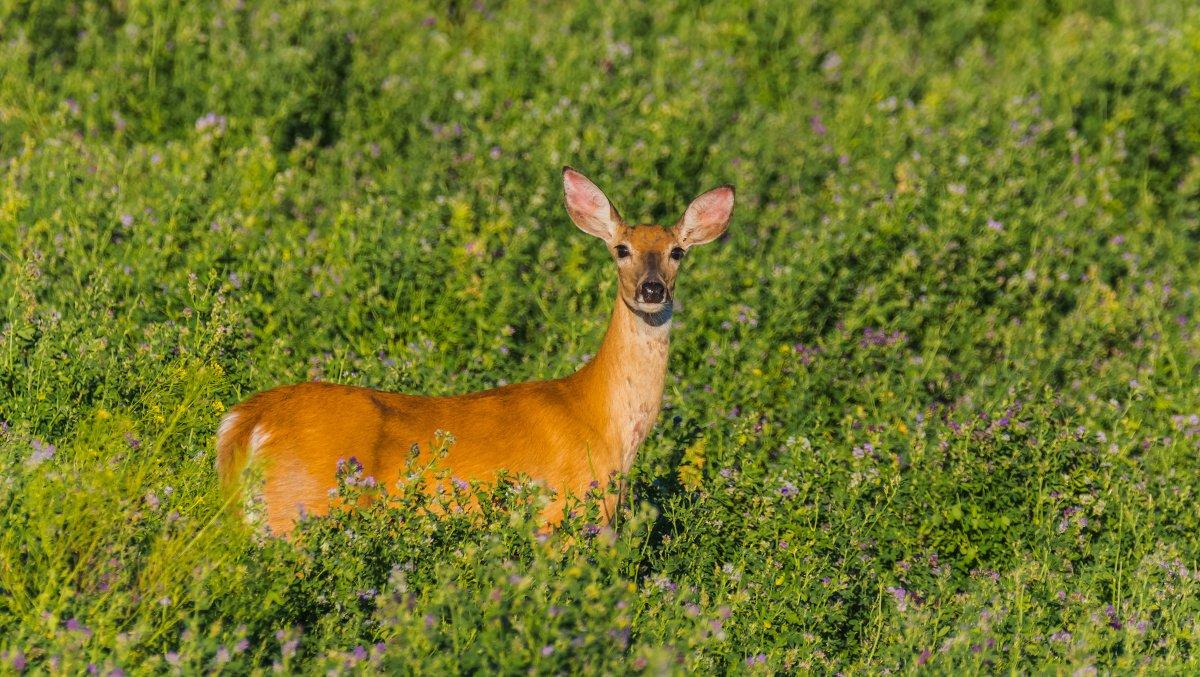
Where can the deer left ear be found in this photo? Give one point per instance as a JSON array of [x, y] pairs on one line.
[[589, 207], [706, 217]]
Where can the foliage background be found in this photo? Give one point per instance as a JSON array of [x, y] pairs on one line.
[[932, 403]]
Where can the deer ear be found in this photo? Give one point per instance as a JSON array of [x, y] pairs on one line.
[[589, 207], [706, 217]]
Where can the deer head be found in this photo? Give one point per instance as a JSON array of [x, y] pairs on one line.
[[648, 256]]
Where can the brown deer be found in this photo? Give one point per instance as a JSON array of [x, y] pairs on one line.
[[568, 432]]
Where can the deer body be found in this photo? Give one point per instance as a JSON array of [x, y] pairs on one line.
[[569, 432]]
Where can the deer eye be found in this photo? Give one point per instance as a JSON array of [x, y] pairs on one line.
[[622, 251], [677, 253]]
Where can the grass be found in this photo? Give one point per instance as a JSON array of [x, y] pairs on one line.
[[932, 405]]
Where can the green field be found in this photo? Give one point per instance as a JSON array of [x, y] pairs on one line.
[[932, 404]]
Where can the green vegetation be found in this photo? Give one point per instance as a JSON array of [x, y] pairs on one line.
[[933, 403]]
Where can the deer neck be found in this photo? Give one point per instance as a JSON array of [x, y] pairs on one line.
[[624, 382]]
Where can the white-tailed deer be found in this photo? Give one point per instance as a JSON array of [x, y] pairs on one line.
[[568, 432]]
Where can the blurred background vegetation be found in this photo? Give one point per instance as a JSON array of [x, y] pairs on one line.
[[931, 404]]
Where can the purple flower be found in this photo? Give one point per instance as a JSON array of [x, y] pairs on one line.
[[995, 225], [788, 490], [924, 657], [242, 645], [901, 596], [757, 659], [211, 121], [17, 660], [879, 337], [172, 657], [1061, 636], [429, 22], [360, 653], [547, 650], [127, 220], [818, 127], [807, 354], [42, 451]]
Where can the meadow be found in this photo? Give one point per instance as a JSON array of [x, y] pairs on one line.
[[931, 405]]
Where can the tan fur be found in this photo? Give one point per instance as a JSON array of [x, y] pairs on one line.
[[567, 432]]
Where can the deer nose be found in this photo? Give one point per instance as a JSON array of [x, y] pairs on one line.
[[652, 291]]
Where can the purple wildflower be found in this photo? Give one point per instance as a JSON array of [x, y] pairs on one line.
[[879, 337], [211, 121], [42, 451], [547, 650], [17, 660]]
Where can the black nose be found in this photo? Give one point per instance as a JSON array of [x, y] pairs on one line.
[[652, 292]]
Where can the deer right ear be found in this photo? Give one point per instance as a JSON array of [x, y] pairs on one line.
[[706, 217], [589, 207]]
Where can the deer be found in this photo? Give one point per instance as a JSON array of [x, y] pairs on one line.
[[574, 434]]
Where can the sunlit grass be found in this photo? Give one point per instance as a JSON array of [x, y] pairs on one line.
[[931, 404]]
